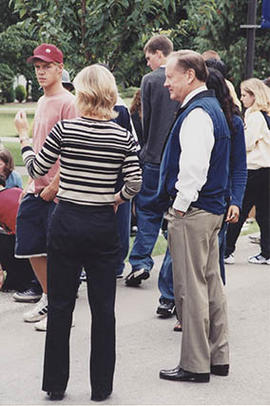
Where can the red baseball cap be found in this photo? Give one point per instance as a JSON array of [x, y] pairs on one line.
[[47, 53]]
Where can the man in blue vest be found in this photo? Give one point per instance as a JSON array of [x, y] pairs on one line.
[[193, 178]]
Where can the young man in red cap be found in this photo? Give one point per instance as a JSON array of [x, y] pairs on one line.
[[38, 203]]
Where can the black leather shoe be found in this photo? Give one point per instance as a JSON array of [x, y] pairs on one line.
[[56, 395], [166, 308], [135, 278], [99, 397], [179, 374], [221, 369]]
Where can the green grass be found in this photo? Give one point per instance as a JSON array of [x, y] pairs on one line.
[[250, 229], [159, 249], [7, 128]]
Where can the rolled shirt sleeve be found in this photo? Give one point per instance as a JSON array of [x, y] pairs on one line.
[[197, 141]]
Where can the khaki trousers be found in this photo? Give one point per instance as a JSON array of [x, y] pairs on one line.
[[198, 289]]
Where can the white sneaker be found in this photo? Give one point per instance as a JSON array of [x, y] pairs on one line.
[[42, 324], [39, 312], [229, 260], [259, 259]]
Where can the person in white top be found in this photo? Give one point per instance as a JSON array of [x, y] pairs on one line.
[[255, 96]]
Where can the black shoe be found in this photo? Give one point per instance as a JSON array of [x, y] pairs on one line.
[[120, 276], [28, 295], [56, 395], [178, 326], [179, 374], [166, 308], [135, 278], [99, 397], [221, 369]]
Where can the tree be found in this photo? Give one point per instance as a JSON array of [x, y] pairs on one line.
[[16, 46], [8, 16], [110, 31], [224, 35], [6, 82]]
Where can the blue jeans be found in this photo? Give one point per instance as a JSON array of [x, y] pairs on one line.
[[123, 216], [165, 278], [149, 218]]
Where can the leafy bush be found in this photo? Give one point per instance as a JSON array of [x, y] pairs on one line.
[[20, 93], [36, 91], [128, 92], [9, 95]]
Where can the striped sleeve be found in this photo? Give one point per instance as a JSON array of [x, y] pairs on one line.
[[38, 165], [131, 171]]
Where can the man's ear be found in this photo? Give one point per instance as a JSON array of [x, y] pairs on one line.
[[159, 53], [191, 75]]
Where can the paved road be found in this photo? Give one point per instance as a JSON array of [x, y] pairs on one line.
[[145, 344]]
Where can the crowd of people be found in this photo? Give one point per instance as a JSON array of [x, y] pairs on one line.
[[185, 160]]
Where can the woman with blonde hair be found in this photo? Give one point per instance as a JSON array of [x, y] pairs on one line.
[[83, 231], [255, 96]]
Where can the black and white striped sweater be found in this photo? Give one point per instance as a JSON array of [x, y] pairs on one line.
[[92, 152]]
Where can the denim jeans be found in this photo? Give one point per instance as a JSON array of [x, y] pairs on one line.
[[149, 217], [165, 278], [123, 216]]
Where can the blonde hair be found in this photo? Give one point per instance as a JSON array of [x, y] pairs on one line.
[[96, 92], [256, 87]]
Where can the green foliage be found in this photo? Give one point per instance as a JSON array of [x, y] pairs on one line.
[[36, 91], [16, 46], [20, 93], [109, 31], [224, 35], [9, 95], [6, 80], [127, 92], [8, 17]]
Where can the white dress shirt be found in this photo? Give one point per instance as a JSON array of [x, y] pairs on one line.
[[197, 140]]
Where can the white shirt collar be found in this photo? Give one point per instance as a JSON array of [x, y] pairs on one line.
[[193, 93]]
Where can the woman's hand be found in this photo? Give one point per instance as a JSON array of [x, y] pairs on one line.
[[233, 214]]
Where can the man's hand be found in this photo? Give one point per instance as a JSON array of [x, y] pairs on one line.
[[233, 214], [21, 123], [117, 201], [180, 213]]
